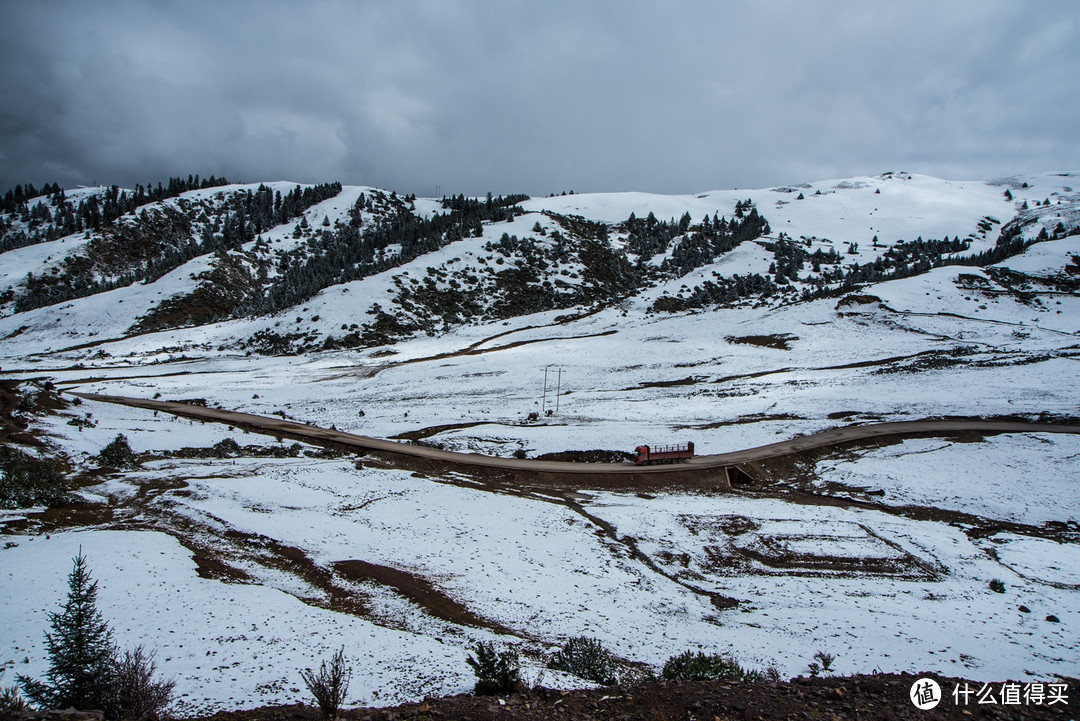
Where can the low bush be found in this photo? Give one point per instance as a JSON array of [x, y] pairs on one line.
[[118, 454], [691, 666], [227, 448], [496, 672], [586, 658], [698, 666], [29, 481]]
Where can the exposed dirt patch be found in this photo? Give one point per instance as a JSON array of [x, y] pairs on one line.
[[18, 404], [434, 430], [779, 341], [209, 566], [756, 374], [687, 381], [73, 515], [857, 300], [881, 697], [843, 366], [418, 590], [751, 418]]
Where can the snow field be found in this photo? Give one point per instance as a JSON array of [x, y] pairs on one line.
[[226, 645], [1023, 478], [536, 567], [953, 624]]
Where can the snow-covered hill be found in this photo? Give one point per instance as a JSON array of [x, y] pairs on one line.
[[241, 296]]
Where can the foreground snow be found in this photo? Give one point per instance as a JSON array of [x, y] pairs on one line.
[[227, 645], [900, 595]]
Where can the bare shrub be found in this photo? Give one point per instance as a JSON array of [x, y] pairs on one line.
[[11, 701], [138, 694], [330, 684], [822, 664]]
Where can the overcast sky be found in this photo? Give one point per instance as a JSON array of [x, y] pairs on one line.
[[535, 96]]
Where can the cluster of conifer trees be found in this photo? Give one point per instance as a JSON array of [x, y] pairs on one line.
[[351, 251], [15, 199], [713, 237], [121, 254], [91, 213], [902, 260]]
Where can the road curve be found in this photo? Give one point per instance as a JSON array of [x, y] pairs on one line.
[[278, 426]]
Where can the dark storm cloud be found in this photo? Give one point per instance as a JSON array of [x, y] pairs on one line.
[[539, 97]]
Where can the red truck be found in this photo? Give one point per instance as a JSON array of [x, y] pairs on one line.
[[663, 454]]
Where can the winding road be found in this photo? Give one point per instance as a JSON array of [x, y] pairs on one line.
[[303, 431]]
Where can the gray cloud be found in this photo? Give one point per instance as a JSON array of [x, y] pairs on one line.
[[509, 96]]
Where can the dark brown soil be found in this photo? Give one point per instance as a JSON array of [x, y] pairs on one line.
[[687, 381], [423, 433], [15, 428], [857, 300], [781, 341], [418, 590], [741, 420], [877, 698]]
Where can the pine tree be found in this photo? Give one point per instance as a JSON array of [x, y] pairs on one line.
[[80, 650]]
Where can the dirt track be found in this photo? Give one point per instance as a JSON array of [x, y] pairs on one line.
[[277, 426]]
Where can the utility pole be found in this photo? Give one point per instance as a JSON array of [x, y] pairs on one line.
[[438, 192], [543, 403], [558, 389]]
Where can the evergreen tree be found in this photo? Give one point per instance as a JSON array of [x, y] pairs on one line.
[[80, 650]]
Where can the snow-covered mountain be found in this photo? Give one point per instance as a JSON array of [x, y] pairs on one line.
[[361, 267]]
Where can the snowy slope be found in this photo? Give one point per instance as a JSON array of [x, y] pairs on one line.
[[845, 213]]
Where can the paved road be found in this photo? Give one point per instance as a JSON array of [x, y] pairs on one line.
[[278, 426]]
